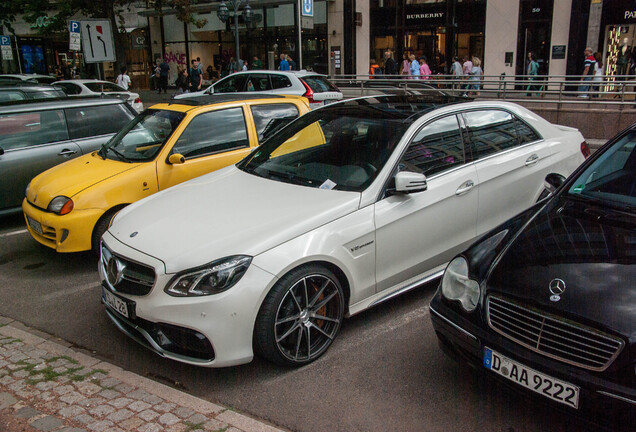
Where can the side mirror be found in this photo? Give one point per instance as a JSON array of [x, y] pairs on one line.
[[410, 182], [553, 181], [176, 159], [210, 90], [1, 151]]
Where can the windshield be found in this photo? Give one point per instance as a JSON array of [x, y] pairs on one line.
[[103, 87], [612, 177], [341, 148], [142, 139]]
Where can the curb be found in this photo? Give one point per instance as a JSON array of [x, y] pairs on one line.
[[112, 399]]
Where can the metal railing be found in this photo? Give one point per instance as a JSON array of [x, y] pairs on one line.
[[609, 92]]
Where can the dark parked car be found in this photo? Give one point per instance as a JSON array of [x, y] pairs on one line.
[[18, 91], [547, 301], [36, 135]]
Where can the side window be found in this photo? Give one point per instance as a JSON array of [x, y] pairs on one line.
[[213, 132], [490, 131], [32, 129], [11, 95], [280, 81], [231, 84], [437, 147], [270, 117], [69, 89], [258, 82], [525, 132], [89, 121]]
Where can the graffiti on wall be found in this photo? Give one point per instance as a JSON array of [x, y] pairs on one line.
[[179, 59]]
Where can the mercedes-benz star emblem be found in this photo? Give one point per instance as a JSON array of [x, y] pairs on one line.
[[115, 271], [557, 287], [133, 234]]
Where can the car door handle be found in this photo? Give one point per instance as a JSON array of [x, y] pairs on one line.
[[532, 160], [66, 152], [465, 188]]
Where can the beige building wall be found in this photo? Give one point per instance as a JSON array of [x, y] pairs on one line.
[[335, 29], [363, 38], [502, 22], [560, 34]]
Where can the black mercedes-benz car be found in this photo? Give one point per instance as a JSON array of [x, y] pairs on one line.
[[547, 301]]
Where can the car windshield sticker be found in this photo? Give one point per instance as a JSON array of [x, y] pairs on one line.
[[579, 188], [328, 184]]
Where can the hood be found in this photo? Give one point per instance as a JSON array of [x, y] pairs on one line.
[[227, 212], [72, 177], [589, 248]]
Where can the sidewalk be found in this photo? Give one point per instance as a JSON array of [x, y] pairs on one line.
[[46, 386]]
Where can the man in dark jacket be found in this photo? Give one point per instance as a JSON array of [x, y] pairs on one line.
[[390, 66]]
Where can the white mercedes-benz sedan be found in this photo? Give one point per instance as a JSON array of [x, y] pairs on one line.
[[343, 208]]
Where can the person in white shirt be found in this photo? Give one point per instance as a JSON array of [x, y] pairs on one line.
[[123, 80]]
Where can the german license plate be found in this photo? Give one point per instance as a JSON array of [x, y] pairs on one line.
[[35, 225], [552, 388], [115, 302]]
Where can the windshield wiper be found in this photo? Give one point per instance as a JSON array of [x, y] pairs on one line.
[[119, 154]]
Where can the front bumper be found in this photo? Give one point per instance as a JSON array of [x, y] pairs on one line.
[[222, 322], [68, 233], [463, 340]]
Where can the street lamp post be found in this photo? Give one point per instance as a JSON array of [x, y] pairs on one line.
[[224, 13]]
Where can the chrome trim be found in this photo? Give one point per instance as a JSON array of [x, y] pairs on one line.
[[621, 398], [470, 335], [540, 329], [149, 343], [408, 287]]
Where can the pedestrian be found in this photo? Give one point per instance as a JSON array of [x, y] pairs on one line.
[[415, 67], [425, 70], [182, 83], [406, 66], [475, 75], [374, 69], [292, 63], [467, 67], [257, 63], [588, 73], [532, 70], [456, 72], [598, 74], [284, 64], [156, 75], [200, 66], [390, 67], [243, 65], [234, 66], [164, 73], [123, 80], [195, 77]]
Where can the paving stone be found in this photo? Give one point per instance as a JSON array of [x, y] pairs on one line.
[[6, 400], [71, 429], [124, 388], [47, 423], [46, 385], [148, 415], [101, 410], [72, 397], [182, 412], [27, 413], [164, 407], [6, 380], [109, 382], [65, 389], [179, 427], [120, 402], [101, 426], [21, 374], [71, 411], [16, 386], [139, 406], [46, 396], [87, 388], [150, 427], [168, 419], [92, 402], [98, 376], [131, 423], [153, 400], [84, 419], [138, 394], [120, 415], [110, 394], [214, 425], [28, 393], [197, 419]]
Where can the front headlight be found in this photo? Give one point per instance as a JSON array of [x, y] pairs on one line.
[[212, 278], [457, 286], [61, 205], [26, 191]]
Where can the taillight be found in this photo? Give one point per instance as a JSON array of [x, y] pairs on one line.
[[309, 94], [585, 149], [138, 100]]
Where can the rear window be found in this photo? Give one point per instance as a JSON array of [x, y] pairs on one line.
[[319, 84], [89, 121], [103, 87]]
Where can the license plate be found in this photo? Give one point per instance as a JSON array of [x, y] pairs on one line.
[[552, 388], [35, 225], [115, 302]]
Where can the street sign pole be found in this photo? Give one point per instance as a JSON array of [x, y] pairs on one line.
[[17, 50], [300, 35]]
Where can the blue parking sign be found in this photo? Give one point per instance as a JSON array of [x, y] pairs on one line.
[[308, 8], [5, 41], [74, 26]]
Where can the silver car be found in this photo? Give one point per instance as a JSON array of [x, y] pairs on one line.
[[36, 135], [315, 87]]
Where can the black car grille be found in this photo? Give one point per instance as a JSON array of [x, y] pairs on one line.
[[136, 279], [553, 336]]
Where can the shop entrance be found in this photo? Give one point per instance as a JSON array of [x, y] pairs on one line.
[[535, 28]]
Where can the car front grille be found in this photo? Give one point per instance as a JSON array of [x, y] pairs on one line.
[[132, 278], [553, 336]]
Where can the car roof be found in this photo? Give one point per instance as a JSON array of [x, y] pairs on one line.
[[25, 85], [61, 102], [25, 76], [82, 81], [226, 97], [302, 73]]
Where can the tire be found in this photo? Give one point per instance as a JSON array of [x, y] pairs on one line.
[[100, 228], [300, 317]]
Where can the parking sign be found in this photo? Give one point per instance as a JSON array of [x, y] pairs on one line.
[[308, 8], [74, 36], [5, 46]]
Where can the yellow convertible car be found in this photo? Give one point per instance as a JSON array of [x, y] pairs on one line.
[[69, 207]]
